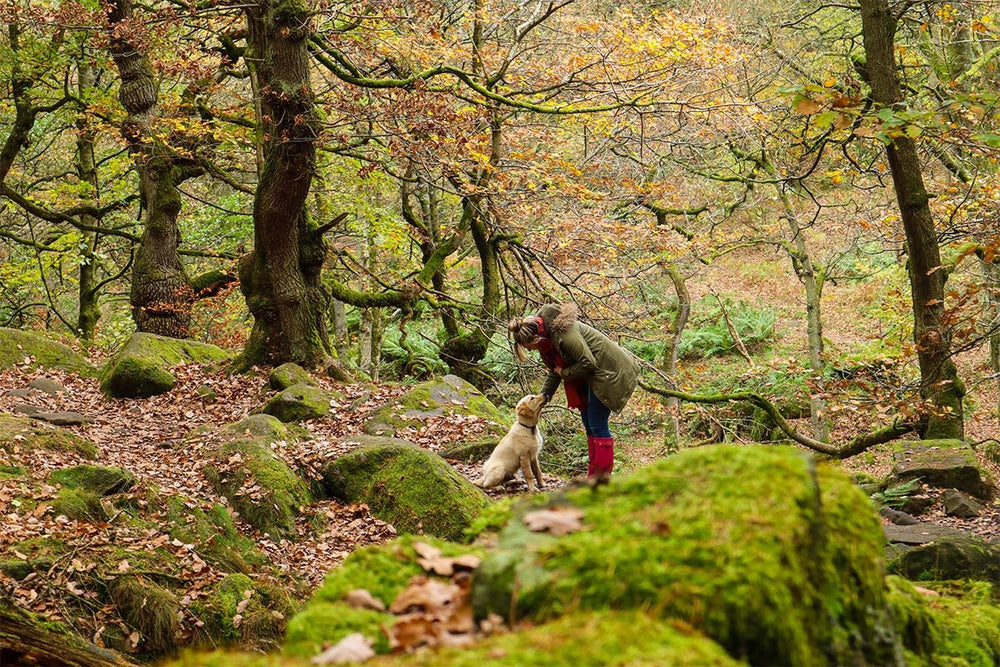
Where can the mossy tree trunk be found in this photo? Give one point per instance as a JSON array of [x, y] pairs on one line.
[[161, 295], [671, 351], [89, 289], [939, 381], [280, 279]]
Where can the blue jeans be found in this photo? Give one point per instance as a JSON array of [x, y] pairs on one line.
[[595, 416]]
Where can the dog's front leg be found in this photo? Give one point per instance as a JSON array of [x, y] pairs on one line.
[[537, 471], [526, 471]]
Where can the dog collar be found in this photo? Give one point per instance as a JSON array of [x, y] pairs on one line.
[[530, 428]]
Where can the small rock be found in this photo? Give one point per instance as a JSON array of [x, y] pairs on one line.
[[289, 375], [917, 504], [48, 385], [68, 418], [206, 393], [20, 393], [897, 517], [960, 505], [26, 409]]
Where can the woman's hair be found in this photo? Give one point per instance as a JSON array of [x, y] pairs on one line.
[[524, 331]]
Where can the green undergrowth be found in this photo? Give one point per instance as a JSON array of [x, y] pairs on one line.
[[383, 571]]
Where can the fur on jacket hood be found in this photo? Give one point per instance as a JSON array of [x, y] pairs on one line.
[[559, 317]]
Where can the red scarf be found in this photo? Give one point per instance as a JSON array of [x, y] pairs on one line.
[[576, 391]]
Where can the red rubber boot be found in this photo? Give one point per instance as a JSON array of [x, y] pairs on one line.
[[604, 457]]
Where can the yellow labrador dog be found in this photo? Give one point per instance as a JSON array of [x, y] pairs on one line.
[[518, 449]]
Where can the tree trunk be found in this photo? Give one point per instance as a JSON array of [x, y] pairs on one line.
[[671, 350], [161, 296], [25, 640], [939, 382], [280, 279], [89, 308], [991, 269]]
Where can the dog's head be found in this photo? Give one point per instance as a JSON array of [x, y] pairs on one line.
[[529, 409]]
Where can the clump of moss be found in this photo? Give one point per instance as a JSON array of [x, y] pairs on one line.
[[300, 401], [79, 505], [213, 534], [323, 623], [288, 375], [969, 628], [238, 611], [413, 489], [915, 623], [149, 609], [96, 479]]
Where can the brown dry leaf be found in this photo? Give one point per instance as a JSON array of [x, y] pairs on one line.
[[429, 596], [430, 559], [360, 598], [355, 647], [556, 520], [414, 630]]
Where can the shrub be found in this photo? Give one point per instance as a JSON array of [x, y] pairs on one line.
[[708, 334]]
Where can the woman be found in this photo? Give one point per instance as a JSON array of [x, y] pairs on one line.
[[598, 375]]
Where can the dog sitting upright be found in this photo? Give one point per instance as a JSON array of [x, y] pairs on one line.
[[518, 449]]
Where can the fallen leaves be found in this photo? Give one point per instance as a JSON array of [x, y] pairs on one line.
[[557, 520], [430, 559], [353, 648]]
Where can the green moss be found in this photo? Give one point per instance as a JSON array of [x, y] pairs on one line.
[[10, 472], [415, 490], [628, 639], [288, 375], [324, 623], [915, 624], [469, 452], [214, 535], [969, 629], [96, 479], [16, 345], [15, 568], [262, 488], [450, 395], [301, 401], [79, 505], [230, 659], [493, 518], [29, 434], [149, 609], [950, 558], [142, 367], [736, 541]]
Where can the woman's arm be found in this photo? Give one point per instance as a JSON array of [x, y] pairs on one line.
[[578, 352]]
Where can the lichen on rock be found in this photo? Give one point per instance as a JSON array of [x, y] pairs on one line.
[[288, 375], [450, 395]]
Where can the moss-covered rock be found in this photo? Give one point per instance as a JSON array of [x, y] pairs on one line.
[[213, 534], [142, 366], [288, 375], [943, 464], [238, 611], [41, 352], [413, 489], [80, 505], [950, 558], [301, 401], [750, 545], [95, 479], [258, 484], [470, 452], [451, 395], [23, 434]]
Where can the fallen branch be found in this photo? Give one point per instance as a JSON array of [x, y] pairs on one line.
[[859, 444]]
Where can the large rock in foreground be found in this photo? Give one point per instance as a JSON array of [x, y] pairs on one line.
[[449, 396], [142, 367], [414, 490], [774, 558], [30, 350]]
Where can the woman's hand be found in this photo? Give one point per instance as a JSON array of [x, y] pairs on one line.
[[558, 370]]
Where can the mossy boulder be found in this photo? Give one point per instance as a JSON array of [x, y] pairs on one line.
[[27, 434], [288, 375], [950, 558], [383, 571], [149, 609], [260, 486], [238, 611], [413, 489], [80, 505], [39, 351], [95, 479], [470, 452], [212, 532], [749, 545], [942, 464], [141, 368], [451, 395], [301, 401]]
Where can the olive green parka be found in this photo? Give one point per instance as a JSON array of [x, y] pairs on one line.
[[590, 357]]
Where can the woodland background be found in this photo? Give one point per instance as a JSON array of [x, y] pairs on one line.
[[790, 204]]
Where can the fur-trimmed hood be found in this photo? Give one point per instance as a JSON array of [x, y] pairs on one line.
[[559, 317]]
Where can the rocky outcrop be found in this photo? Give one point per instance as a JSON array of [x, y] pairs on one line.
[[451, 395], [942, 464], [30, 350], [141, 368]]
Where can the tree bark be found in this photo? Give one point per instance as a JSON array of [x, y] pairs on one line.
[[89, 307], [939, 381], [25, 641], [161, 296], [671, 350], [280, 279]]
